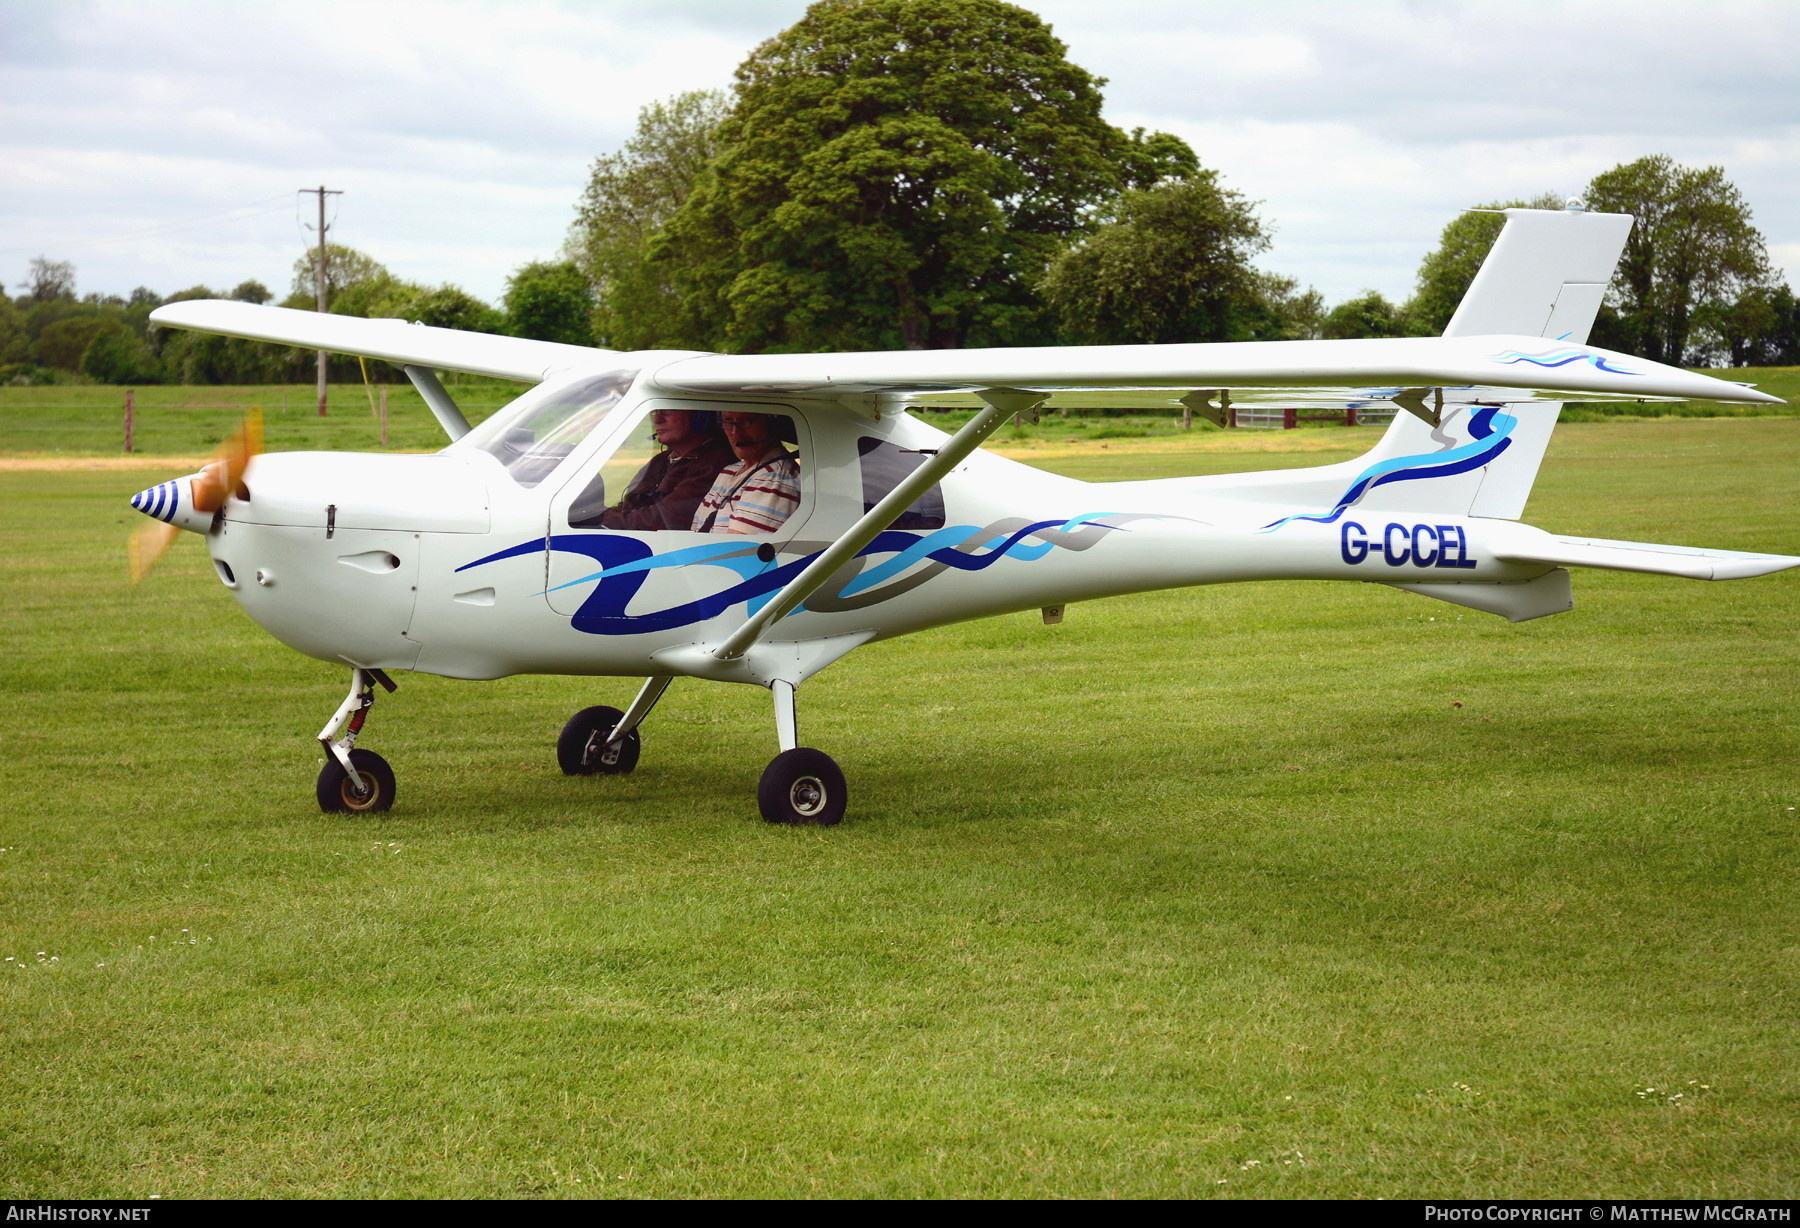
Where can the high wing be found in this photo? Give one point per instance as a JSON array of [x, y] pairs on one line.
[[420, 345], [1467, 369]]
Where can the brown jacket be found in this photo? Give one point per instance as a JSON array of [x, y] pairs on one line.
[[666, 491]]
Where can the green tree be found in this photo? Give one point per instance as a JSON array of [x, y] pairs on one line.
[[630, 196], [1691, 254], [344, 267], [1173, 264], [897, 173], [1281, 311], [117, 355], [251, 292], [1757, 328], [15, 343], [550, 301], [450, 306], [61, 344], [1368, 315], [1447, 271]]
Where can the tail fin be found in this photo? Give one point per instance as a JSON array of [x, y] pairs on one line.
[[1544, 277]]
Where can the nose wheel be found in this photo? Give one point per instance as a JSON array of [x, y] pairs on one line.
[[354, 781], [339, 794]]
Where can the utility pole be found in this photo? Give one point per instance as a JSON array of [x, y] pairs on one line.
[[319, 279]]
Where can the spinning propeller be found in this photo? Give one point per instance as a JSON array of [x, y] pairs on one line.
[[191, 502]]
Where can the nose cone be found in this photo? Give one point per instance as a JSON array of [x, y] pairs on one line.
[[173, 503], [159, 502]]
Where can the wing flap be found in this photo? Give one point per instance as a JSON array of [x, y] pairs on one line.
[[449, 349]]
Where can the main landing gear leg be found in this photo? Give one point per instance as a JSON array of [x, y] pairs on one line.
[[605, 740], [801, 785], [354, 781]]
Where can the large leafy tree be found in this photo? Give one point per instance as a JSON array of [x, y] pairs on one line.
[[1172, 264], [630, 196], [1693, 253], [898, 173]]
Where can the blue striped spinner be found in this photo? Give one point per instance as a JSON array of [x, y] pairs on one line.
[[160, 501]]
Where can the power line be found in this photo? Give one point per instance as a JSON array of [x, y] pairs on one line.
[[216, 217]]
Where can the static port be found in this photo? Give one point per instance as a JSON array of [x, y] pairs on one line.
[[224, 570]]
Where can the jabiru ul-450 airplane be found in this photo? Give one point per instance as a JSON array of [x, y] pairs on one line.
[[795, 510]]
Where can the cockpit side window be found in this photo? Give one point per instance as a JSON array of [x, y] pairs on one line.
[[885, 466], [699, 468], [534, 434]]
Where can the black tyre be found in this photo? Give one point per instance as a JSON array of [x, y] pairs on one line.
[[582, 749], [802, 786], [337, 795]]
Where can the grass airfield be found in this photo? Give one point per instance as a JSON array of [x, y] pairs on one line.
[[1271, 890]]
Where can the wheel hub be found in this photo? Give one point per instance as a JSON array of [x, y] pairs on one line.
[[599, 751], [807, 796]]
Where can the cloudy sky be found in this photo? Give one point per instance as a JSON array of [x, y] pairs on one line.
[[160, 142]]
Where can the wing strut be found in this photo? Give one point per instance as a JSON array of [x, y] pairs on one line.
[[445, 410], [1002, 403]]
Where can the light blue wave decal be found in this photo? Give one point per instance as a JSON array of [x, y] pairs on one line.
[[1490, 432], [1560, 358]]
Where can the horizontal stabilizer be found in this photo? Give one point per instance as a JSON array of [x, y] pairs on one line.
[[449, 349], [1527, 545]]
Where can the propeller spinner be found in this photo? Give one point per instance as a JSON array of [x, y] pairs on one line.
[[191, 502]]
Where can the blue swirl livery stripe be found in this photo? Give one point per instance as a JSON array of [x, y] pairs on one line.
[[1491, 434], [1560, 358], [625, 561]]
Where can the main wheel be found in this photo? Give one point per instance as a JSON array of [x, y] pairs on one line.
[[582, 748], [339, 795], [802, 786]]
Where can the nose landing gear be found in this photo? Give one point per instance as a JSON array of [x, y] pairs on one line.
[[354, 781]]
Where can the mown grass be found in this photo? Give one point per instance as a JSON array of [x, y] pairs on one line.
[[1211, 892]]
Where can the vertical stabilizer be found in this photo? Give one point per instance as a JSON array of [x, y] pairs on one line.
[[1545, 275]]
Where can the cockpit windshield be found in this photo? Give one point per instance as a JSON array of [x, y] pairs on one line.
[[535, 433]]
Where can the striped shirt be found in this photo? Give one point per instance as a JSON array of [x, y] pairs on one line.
[[753, 496]]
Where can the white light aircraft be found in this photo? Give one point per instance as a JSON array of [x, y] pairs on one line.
[[853, 521]]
